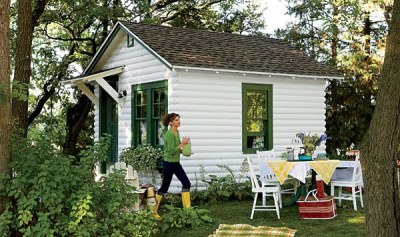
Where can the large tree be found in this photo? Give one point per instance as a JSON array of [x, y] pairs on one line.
[[5, 93], [27, 19], [78, 28], [381, 141]]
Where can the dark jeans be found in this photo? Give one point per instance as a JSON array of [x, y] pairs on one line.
[[171, 168]]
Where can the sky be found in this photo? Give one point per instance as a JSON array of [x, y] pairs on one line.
[[275, 15]]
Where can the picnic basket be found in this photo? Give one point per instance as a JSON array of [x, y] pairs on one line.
[[312, 207]]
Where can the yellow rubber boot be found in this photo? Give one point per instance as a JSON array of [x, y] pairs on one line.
[[155, 207], [186, 199]]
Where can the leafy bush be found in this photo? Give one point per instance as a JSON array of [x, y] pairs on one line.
[[229, 187], [143, 158], [51, 195], [184, 217]]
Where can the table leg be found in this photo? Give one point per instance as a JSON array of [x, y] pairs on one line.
[[313, 180], [301, 191]]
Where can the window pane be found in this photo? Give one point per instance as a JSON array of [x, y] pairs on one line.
[[260, 112], [158, 103], [141, 111], [255, 125], [159, 131], [255, 142], [156, 96], [142, 132], [141, 98], [250, 98], [256, 104], [250, 112]]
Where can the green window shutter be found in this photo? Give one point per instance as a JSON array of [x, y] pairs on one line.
[[256, 117], [149, 104]]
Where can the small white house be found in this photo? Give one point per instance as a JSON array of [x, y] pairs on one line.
[[235, 94]]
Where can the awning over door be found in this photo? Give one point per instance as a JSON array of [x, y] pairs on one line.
[[97, 77]]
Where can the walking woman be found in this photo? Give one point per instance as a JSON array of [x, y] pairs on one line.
[[172, 150]]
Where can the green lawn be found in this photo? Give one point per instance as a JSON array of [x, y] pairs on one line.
[[347, 223]]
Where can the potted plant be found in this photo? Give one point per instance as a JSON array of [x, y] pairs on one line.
[[145, 159], [310, 143]]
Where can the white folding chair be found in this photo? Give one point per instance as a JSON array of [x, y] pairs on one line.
[[353, 180], [256, 189], [270, 179]]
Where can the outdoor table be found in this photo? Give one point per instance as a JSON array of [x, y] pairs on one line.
[[299, 169]]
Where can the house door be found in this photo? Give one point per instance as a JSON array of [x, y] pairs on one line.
[[109, 123]]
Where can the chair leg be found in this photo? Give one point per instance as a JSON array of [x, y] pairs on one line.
[[276, 201], [280, 198], [353, 194], [361, 197], [340, 195], [254, 205], [264, 198]]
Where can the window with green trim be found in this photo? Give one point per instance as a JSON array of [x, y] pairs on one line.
[[149, 104], [256, 117]]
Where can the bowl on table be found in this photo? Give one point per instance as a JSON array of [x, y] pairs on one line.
[[304, 157]]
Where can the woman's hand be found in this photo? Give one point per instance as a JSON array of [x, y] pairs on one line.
[[185, 140]]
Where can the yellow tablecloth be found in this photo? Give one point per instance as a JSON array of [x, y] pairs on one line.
[[281, 169], [325, 168]]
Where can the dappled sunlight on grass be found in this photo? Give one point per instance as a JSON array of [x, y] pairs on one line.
[[357, 220], [238, 212]]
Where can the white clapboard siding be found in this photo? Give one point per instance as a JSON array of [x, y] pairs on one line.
[[210, 106], [140, 67], [211, 114]]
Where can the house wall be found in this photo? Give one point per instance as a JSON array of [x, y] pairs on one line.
[[210, 106], [140, 67]]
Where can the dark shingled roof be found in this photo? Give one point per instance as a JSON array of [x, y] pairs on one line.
[[207, 49]]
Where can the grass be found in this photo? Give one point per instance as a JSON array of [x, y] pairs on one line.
[[347, 223]]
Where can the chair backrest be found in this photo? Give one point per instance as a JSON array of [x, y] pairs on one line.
[[253, 177], [262, 157], [355, 153], [266, 155], [357, 172], [351, 172]]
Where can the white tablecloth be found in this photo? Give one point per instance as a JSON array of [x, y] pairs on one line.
[[300, 169]]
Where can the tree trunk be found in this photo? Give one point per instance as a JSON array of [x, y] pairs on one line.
[[22, 71], [5, 94], [76, 116], [381, 141]]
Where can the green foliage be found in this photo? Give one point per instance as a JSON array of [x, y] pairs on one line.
[[142, 158], [185, 218], [232, 16], [349, 112], [347, 37], [51, 195], [19, 90], [229, 187]]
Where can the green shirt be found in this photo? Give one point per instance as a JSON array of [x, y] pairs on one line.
[[171, 146]]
